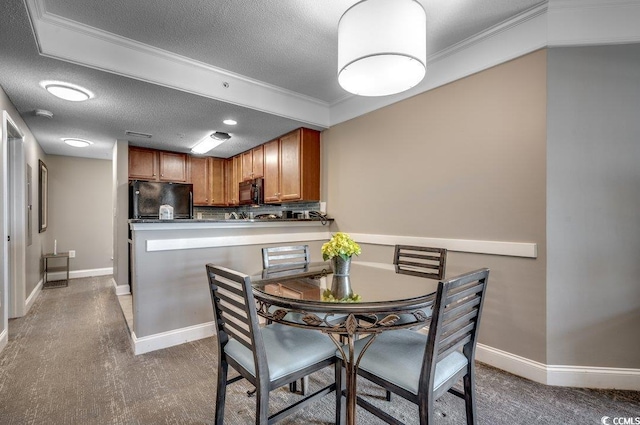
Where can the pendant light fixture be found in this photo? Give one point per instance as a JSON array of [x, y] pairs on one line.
[[382, 47]]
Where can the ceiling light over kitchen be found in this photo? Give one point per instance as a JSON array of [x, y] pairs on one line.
[[382, 47], [77, 143], [205, 145], [230, 122], [67, 91], [218, 135]]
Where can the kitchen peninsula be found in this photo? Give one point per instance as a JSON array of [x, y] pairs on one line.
[[170, 298]]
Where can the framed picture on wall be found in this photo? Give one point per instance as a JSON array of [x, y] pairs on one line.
[[43, 197]]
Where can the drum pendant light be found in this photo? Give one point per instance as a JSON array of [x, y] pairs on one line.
[[382, 47]]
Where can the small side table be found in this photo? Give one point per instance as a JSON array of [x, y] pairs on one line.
[[55, 268]]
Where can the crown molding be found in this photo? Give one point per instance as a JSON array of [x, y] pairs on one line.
[[74, 42], [551, 23]]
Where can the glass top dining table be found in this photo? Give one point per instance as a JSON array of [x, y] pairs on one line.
[[387, 301]]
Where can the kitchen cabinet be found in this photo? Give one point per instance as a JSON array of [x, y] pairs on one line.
[[154, 165], [208, 179], [233, 176], [143, 164], [173, 167], [292, 167], [253, 163], [272, 171]]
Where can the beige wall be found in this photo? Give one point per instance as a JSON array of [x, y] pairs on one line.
[[33, 153], [464, 161], [80, 210]]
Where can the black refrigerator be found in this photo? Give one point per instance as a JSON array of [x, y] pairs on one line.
[[145, 199]]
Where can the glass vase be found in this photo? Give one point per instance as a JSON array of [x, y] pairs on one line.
[[340, 284]]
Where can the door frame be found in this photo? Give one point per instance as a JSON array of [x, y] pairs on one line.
[[14, 220]]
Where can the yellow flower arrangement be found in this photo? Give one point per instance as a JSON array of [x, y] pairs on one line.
[[340, 245]]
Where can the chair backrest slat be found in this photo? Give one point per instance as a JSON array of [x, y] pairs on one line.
[[454, 324], [464, 293], [420, 261], [445, 353], [285, 256], [235, 313]]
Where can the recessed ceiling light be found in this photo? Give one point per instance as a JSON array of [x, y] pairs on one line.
[[230, 122], [67, 91], [77, 143]]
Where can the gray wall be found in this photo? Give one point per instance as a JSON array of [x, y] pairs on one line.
[[464, 161], [81, 210], [593, 216]]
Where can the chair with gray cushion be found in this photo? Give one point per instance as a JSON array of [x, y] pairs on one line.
[[421, 368], [267, 357], [285, 256]]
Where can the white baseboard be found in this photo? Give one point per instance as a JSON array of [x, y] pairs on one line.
[[171, 338], [33, 296], [562, 376], [594, 377], [4, 339], [80, 273], [121, 289], [512, 363]]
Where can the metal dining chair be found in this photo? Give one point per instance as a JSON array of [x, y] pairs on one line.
[[421, 368], [267, 357], [420, 261], [285, 256], [288, 256]]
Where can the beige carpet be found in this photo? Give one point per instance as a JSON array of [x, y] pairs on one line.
[[69, 361]]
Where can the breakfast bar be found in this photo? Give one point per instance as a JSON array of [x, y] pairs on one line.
[[171, 303]]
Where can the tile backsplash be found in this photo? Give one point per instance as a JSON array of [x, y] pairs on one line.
[[218, 213]]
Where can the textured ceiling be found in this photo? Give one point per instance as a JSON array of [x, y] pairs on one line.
[[288, 44]]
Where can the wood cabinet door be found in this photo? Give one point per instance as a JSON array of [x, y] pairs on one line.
[[228, 180], [290, 167], [272, 171], [173, 167], [217, 183], [200, 180], [247, 166], [236, 178], [258, 161], [142, 164]]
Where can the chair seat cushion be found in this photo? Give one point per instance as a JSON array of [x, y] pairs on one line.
[[288, 350], [397, 356]]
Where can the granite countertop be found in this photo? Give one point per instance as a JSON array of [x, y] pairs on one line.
[[248, 220]]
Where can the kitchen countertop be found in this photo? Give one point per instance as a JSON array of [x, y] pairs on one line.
[[240, 220]]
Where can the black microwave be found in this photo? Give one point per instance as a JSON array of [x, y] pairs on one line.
[[251, 192]]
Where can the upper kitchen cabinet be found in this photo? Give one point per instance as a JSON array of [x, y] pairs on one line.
[[154, 165], [143, 164], [292, 167], [233, 177], [253, 163], [174, 167], [208, 179]]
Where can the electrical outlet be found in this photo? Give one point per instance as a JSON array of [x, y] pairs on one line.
[[72, 254]]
